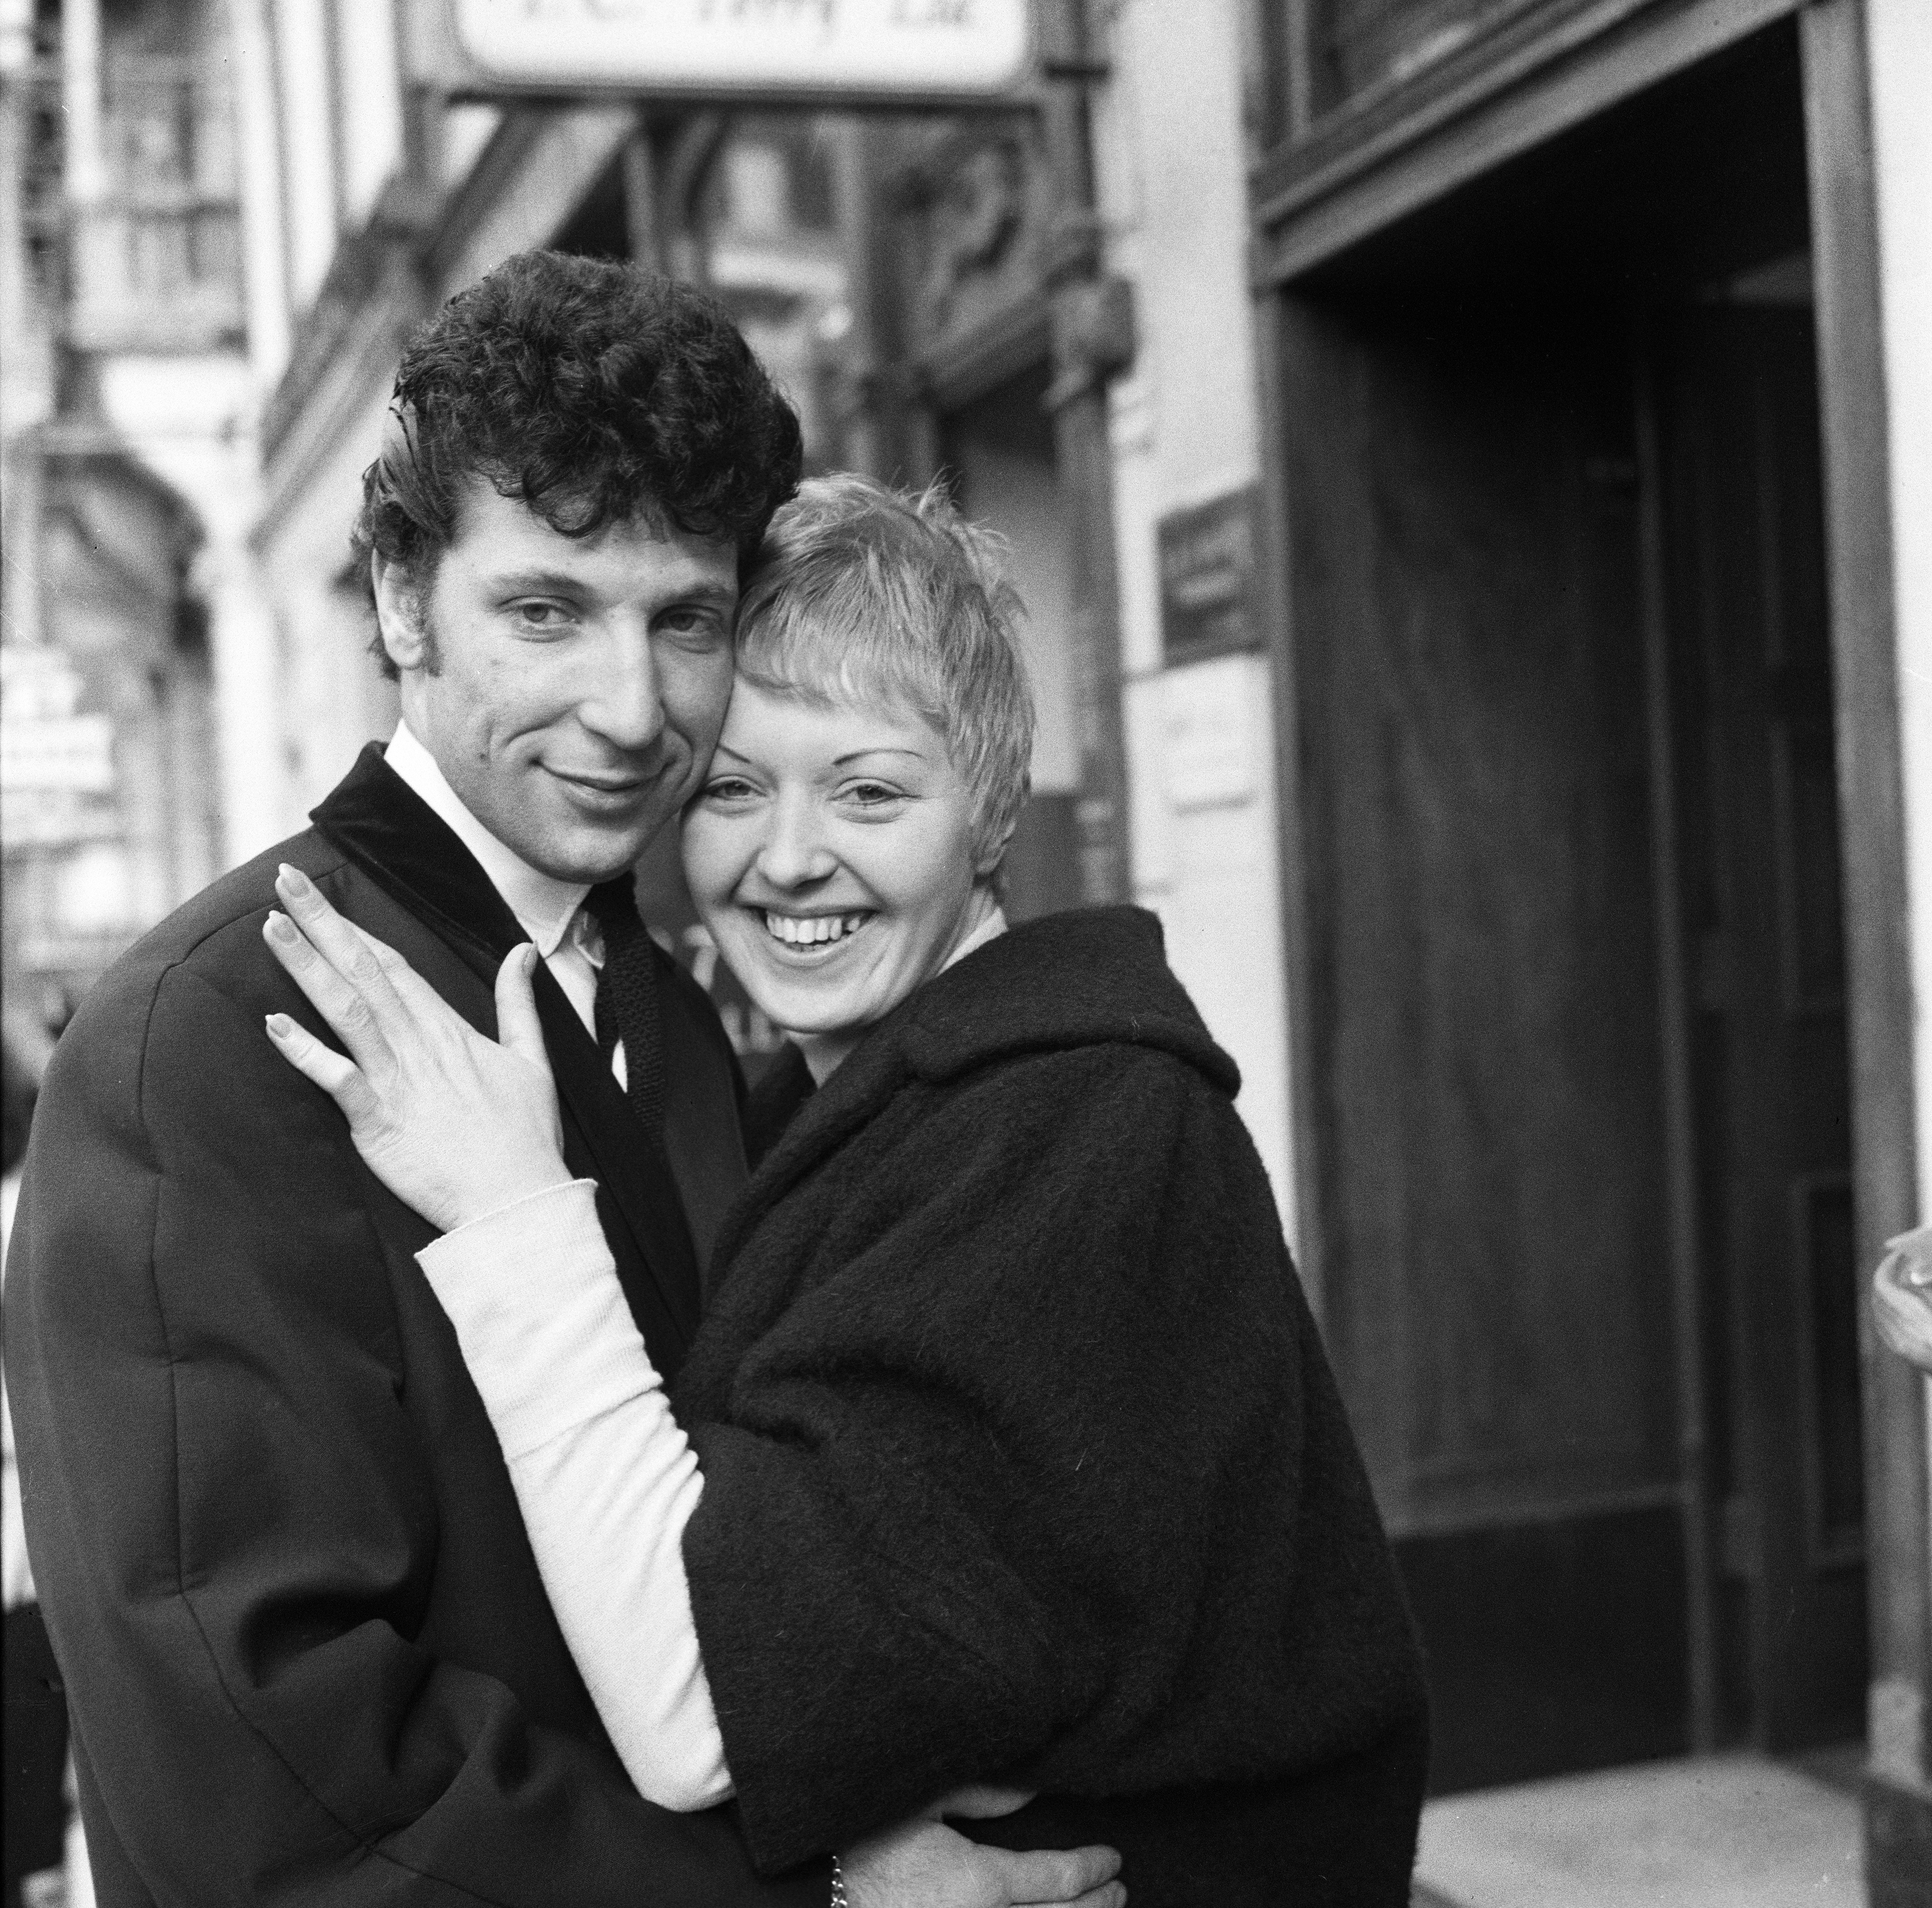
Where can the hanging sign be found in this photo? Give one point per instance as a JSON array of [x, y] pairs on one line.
[[845, 52]]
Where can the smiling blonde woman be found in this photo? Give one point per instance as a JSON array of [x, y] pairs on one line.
[[845, 847], [1007, 1451]]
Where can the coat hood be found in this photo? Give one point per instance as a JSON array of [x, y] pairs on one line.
[[1093, 976]]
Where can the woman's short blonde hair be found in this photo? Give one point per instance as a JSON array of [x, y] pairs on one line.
[[862, 593]]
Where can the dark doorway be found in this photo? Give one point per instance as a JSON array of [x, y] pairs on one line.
[[1746, 652], [1495, 1247], [1575, 1049]]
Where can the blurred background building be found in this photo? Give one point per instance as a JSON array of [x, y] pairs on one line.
[[130, 479], [1468, 462]]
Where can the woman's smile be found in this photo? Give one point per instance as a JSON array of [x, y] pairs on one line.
[[831, 853], [804, 935]]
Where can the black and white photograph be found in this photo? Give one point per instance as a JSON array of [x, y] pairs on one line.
[[967, 953]]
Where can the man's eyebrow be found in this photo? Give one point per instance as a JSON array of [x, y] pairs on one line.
[[554, 583], [562, 583]]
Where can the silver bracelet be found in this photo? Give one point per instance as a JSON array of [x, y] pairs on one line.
[[838, 1885]]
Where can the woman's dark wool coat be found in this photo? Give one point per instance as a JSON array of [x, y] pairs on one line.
[[1022, 1460]]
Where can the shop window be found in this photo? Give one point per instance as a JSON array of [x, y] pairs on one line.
[[1350, 49]]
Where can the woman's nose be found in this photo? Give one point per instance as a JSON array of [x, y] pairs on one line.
[[794, 852], [624, 701]]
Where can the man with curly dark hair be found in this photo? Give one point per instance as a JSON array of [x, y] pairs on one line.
[[308, 1654], [591, 393]]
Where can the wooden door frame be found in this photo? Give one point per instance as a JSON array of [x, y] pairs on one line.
[[1853, 421], [1272, 322], [1702, 1546], [1751, 1411]]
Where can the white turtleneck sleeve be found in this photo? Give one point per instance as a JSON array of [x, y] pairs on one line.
[[604, 1477]]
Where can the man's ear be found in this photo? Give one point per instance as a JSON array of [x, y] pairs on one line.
[[399, 617]]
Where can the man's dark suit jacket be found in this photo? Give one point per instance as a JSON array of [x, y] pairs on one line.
[[308, 1653]]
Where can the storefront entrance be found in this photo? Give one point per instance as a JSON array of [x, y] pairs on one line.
[[1572, 1014]]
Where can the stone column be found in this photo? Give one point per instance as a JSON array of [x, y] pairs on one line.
[[248, 718], [86, 163]]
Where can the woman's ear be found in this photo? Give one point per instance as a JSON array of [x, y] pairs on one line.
[[986, 862], [399, 618]]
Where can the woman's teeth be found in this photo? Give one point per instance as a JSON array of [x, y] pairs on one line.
[[810, 930]]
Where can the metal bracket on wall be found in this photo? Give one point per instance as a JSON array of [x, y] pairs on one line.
[[1076, 71], [1094, 336]]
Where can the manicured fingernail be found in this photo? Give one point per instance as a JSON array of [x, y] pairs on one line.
[[280, 1026], [294, 881], [281, 928], [530, 958]]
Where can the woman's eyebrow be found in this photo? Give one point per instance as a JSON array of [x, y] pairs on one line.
[[882, 748]]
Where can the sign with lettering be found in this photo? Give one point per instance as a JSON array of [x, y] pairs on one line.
[[849, 52], [56, 760], [1209, 600]]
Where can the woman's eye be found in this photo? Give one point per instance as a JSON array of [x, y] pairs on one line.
[[873, 794], [728, 788]]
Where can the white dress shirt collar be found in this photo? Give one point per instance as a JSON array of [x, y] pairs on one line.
[[544, 906]]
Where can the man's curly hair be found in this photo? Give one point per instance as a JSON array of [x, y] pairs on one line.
[[591, 391]]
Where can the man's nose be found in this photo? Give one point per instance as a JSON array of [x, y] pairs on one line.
[[624, 701], [794, 852]]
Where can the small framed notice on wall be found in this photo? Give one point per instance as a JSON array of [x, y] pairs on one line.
[[1209, 593]]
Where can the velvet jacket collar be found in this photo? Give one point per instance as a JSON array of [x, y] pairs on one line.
[[387, 830]]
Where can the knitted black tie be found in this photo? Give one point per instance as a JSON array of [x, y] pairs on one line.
[[627, 999]]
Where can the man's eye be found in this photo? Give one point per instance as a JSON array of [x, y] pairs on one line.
[[692, 626], [540, 616]]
